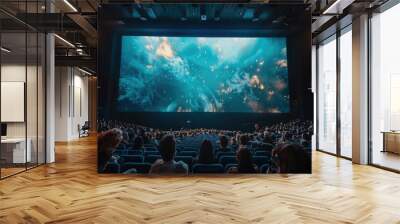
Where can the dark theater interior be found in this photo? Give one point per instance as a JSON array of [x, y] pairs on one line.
[[199, 111]]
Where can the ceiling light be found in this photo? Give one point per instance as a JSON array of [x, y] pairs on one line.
[[70, 5], [338, 6], [84, 71], [5, 50], [65, 41]]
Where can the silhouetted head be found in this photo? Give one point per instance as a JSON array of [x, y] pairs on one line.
[[223, 141], [292, 158], [206, 154], [138, 142], [167, 147], [245, 161], [244, 139]]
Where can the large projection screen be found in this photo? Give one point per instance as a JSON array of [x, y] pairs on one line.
[[203, 74], [12, 101]]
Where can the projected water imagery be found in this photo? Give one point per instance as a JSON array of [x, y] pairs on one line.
[[203, 74]]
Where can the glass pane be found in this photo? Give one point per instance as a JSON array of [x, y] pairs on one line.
[[41, 99], [346, 94], [13, 87], [31, 97], [327, 96], [385, 84]]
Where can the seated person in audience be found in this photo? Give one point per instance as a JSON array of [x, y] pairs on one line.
[[234, 143], [107, 142], [267, 138], [138, 143], [206, 153], [292, 158], [245, 162], [168, 165], [223, 144], [243, 141], [125, 138], [257, 127]]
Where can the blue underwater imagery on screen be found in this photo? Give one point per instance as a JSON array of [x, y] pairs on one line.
[[203, 74]]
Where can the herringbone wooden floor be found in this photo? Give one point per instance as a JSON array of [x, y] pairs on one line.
[[70, 191]]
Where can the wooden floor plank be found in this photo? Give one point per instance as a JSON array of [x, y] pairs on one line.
[[70, 191]]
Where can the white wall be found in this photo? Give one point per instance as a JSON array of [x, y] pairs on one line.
[[71, 102], [33, 127]]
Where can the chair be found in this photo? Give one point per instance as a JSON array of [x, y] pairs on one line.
[[186, 159], [227, 159], [261, 160], [151, 158], [264, 168], [130, 171], [187, 153], [229, 165], [134, 152], [188, 148], [208, 168], [84, 129], [121, 147], [120, 152], [151, 149], [261, 153], [139, 167], [133, 158], [149, 153], [112, 168], [220, 154], [268, 147]]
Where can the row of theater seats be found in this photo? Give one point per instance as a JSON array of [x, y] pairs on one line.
[[143, 168], [141, 160]]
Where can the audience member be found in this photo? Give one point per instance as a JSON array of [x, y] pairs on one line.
[[292, 158], [206, 153], [223, 143], [245, 162], [138, 143], [168, 165], [107, 142], [245, 144]]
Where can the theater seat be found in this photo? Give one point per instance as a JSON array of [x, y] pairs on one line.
[[151, 158], [220, 154], [208, 168], [261, 160], [228, 166], [227, 159], [112, 168], [154, 153], [120, 152], [187, 153], [268, 147], [264, 168], [186, 159], [151, 149], [188, 148], [130, 171], [134, 152], [134, 159], [262, 153], [143, 168]]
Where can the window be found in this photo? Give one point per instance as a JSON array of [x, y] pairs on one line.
[[346, 93], [327, 95], [385, 85]]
